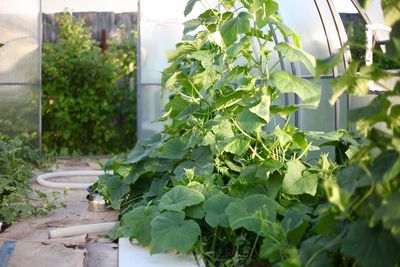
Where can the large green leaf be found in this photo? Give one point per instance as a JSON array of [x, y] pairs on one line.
[[237, 145], [222, 129], [138, 223], [285, 30], [371, 247], [309, 92], [137, 154], [205, 57], [249, 122], [295, 183], [173, 149], [215, 210], [170, 230], [262, 108], [242, 213], [206, 78], [235, 26], [179, 198], [389, 214], [293, 54], [271, 165], [116, 188], [283, 137]]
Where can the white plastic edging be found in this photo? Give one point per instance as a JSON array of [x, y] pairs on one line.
[[42, 179], [134, 255], [97, 228]]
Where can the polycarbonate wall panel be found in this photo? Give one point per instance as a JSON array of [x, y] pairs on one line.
[[19, 58], [19, 104], [20, 31], [150, 107], [303, 17]]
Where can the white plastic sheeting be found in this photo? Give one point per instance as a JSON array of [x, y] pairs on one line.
[[20, 65]]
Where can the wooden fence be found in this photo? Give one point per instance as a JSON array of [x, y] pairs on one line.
[[100, 23]]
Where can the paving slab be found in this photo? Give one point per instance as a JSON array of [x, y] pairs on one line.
[[31, 234]]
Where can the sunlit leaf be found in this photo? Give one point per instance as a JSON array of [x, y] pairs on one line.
[[249, 122], [237, 145], [309, 92], [179, 198], [262, 108], [293, 54], [295, 183], [235, 26]]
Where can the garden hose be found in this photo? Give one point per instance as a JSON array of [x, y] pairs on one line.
[[42, 179]]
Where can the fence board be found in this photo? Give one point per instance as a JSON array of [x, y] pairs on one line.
[[96, 21]]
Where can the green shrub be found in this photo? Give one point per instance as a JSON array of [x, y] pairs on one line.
[[17, 162], [87, 106]]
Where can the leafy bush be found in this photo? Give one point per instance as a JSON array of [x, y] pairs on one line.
[[87, 105], [229, 180], [17, 162]]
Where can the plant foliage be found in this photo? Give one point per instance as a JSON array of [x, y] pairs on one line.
[[87, 106], [229, 178], [17, 161]]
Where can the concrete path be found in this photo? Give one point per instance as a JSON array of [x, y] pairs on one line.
[[34, 249]]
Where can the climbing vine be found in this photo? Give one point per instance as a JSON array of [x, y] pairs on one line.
[[230, 178]]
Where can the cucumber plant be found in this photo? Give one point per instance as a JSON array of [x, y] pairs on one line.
[[229, 178]]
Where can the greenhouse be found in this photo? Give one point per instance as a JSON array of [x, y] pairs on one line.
[[199, 133]]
